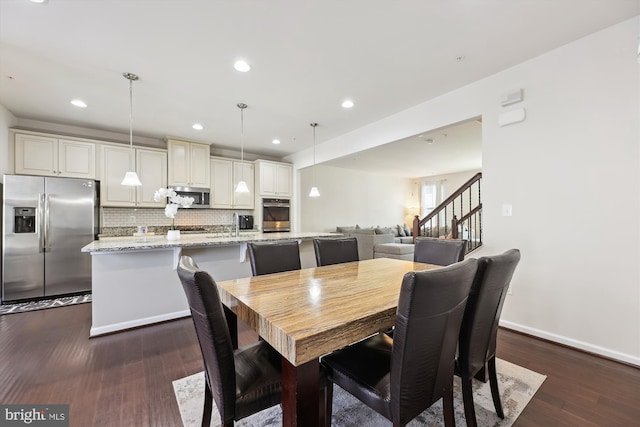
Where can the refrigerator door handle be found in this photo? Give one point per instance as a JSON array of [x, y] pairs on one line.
[[45, 245], [40, 223]]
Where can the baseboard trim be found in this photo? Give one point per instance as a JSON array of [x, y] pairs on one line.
[[575, 344], [123, 326]]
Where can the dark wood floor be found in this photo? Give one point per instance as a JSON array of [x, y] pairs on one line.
[[125, 379]]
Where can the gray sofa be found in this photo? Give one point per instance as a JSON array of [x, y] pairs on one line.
[[368, 238]]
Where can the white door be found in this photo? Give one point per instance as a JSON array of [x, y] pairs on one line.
[[76, 159], [115, 163], [200, 176], [151, 166], [243, 171], [221, 183], [36, 155]]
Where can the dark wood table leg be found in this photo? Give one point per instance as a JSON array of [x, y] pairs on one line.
[[232, 324], [300, 394]]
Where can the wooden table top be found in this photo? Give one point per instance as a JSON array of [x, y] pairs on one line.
[[306, 313]]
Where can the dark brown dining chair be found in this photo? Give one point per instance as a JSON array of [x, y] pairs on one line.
[[274, 257], [241, 382], [402, 376], [330, 250], [438, 251], [477, 342]]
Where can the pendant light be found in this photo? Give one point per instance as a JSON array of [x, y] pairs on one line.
[[314, 190], [131, 177], [242, 185]]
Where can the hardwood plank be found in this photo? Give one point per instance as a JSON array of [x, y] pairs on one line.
[[45, 351]]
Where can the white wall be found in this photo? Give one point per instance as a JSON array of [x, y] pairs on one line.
[[351, 197], [7, 120], [571, 172]]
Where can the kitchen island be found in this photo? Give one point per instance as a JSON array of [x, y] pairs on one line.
[[134, 279]]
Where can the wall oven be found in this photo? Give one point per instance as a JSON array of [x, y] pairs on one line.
[[275, 215]]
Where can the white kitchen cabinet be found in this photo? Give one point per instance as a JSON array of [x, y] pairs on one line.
[[114, 163], [225, 175], [243, 171], [51, 156], [189, 164], [274, 178], [151, 166], [221, 183]]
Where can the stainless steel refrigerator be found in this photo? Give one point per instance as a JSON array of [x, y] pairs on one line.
[[45, 223]]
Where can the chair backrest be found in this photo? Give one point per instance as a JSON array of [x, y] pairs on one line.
[[438, 251], [479, 329], [428, 319], [213, 334], [335, 250], [268, 257]]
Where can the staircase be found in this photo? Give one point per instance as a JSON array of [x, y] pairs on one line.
[[457, 217]]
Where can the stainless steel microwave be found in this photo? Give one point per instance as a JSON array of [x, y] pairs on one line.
[[200, 195]]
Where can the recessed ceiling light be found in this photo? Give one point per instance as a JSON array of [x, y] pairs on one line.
[[347, 103], [275, 141], [39, 1], [242, 66], [78, 102], [197, 126]]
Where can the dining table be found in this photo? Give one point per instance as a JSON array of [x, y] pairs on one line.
[[305, 314]]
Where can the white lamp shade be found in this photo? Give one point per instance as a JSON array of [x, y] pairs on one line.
[[242, 187], [314, 192], [131, 179]]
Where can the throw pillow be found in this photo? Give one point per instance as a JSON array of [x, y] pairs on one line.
[[401, 232], [407, 230], [345, 229]]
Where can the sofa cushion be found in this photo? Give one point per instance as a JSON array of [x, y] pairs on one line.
[[393, 248], [406, 239], [385, 230], [366, 231], [345, 229]]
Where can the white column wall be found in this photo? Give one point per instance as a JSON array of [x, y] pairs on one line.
[[7, 120], [571, 172]]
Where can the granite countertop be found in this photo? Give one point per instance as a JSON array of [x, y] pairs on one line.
[[120, 244]]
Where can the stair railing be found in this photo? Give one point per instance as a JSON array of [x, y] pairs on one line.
[[459, 216]]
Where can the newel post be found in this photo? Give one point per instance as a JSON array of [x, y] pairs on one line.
[[416, 227]]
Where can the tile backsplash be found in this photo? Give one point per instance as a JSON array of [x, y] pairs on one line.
[[154, 217]]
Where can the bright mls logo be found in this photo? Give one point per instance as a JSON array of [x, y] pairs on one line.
[[34, 415]]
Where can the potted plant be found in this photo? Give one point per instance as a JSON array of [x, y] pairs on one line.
[[171, 209]]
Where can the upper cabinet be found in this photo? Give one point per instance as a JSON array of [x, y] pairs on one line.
[[221, 183], [51, 156], [243, 172], [225, 175], [189, 164], [151, 165], [274, 179]]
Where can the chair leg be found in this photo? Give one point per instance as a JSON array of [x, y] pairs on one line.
[[327, 404], [493, 382], [208, 406], [467, 398], [447, 408]]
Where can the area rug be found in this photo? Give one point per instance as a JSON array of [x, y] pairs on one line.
[[517, 386], [21, 307]]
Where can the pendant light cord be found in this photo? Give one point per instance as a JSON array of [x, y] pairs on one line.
[[131, 124], [242, 106]]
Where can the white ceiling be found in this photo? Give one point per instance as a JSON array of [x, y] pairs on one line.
[[306, 57]]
